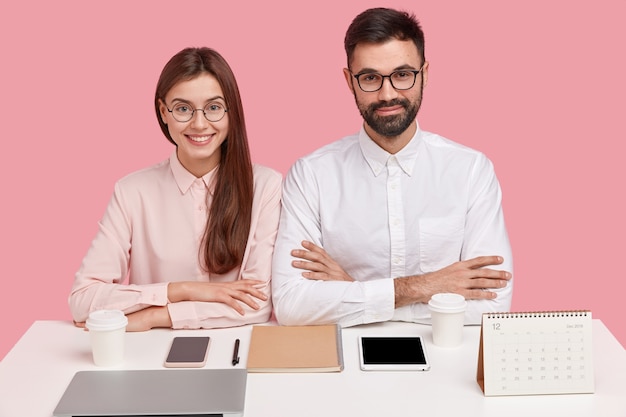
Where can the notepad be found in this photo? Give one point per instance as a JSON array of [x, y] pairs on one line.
[[295, 349], [532, 353]]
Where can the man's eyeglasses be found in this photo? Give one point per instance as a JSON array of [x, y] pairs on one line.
[[183, 112], [400, 80]]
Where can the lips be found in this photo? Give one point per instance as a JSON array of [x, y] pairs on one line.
[[199, 138], [389, 107], [389, 110]]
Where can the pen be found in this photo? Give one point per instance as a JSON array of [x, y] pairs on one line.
[[236, 353]]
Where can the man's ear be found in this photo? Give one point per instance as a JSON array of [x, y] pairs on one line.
[[425, 74], [349, 79]]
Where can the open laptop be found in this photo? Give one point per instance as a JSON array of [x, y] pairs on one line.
[[156, 392]]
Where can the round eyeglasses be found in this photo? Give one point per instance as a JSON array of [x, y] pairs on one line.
[[183, 112], [403, 79]]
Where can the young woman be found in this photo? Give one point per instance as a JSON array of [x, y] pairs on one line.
[[194, 234]]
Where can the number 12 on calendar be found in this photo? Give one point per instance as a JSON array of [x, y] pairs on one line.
[[531, 353]]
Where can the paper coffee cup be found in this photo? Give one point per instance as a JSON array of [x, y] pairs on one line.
[[447, 316], [106, 331]]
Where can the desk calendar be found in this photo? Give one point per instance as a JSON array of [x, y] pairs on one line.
[[536, 353]]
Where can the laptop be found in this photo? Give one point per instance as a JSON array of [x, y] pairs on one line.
[[155, 392]]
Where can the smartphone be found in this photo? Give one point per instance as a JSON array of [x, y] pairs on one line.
[[392, 353], [188, 352]]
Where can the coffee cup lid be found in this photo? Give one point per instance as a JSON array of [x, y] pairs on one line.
[[447, 303], [103, 320]]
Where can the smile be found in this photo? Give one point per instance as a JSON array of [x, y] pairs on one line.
[[200, 139], [389, 110]]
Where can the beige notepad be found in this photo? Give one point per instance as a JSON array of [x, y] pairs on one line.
[[295, 349]]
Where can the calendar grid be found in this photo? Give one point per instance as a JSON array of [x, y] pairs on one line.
[[536, 353]]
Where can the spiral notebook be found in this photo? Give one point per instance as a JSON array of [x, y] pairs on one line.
[[532, 353]]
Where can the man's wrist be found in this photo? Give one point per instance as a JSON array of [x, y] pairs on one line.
[[408, 291]]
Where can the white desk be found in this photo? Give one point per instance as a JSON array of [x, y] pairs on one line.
[[35, 373]]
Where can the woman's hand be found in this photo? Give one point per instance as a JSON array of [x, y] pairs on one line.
[[142, 320], [230, 293], [148, 318], [318, 264]]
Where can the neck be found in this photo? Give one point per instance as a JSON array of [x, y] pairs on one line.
[[200, 167], [392, 144]]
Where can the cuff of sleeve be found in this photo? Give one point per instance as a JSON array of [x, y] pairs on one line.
[[381, 300], [183, 315], [154, 294], [416, 313]]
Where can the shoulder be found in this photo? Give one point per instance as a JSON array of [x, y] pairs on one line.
[[328, 158], [336, 150], [266, 177], [435, 141], [145, 178], [451, 150], [146, 173]]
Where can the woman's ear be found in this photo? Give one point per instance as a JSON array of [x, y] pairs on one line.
[[163, 111]]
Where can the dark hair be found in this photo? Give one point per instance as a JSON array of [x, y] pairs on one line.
[[228, 224], [379, 25]]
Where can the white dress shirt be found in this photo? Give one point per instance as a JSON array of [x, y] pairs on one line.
[[383, 216]]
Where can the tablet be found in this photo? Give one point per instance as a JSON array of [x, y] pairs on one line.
[[392, 353]]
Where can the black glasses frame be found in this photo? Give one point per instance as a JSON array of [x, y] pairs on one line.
[[359, 75]]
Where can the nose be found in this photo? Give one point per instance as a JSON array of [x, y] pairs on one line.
[[198, 120], [387, 92]]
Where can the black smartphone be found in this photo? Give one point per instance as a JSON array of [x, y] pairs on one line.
[[188, 352]]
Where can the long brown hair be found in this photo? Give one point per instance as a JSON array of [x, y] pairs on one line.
[[228, 224]]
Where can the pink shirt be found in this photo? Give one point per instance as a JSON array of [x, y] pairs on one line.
[[151, 233]]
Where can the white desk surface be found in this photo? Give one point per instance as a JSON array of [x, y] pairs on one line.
[[35, 373]]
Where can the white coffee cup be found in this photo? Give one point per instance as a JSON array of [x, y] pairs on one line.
[[448, 316], [106, 331]]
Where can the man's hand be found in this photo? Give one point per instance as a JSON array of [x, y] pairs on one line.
[[468, 278], [318, 264]]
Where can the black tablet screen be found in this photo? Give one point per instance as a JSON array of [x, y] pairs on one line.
[[393, 350]]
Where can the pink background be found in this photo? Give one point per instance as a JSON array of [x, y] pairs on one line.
[[538, 86]]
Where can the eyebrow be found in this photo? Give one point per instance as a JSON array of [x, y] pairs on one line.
[[208, 100], [401, 67]]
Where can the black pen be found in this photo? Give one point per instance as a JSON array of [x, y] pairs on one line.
[[236, 353]]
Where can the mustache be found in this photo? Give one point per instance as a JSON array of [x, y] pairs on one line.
[[395, 102]]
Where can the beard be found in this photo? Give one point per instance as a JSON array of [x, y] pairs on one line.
[[391, 126]]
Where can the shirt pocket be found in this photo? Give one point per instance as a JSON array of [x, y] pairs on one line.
[[440, 241]]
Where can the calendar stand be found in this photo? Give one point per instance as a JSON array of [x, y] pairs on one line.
[[532, 353]]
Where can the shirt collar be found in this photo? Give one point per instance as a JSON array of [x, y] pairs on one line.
[[185, 179], [377, 157]]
